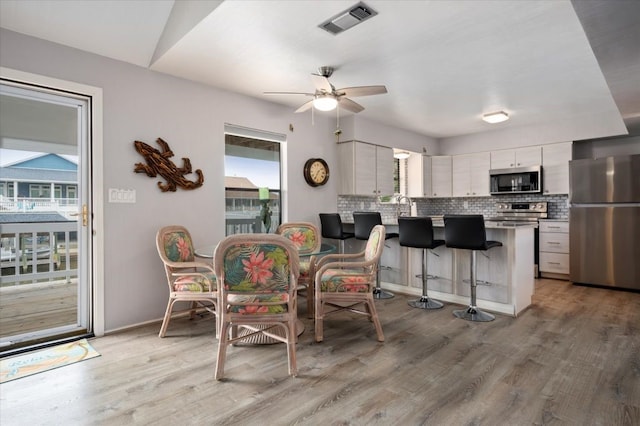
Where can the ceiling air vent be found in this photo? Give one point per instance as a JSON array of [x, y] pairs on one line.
[[348, 18]]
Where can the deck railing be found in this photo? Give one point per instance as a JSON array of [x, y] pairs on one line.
[[37, 252]]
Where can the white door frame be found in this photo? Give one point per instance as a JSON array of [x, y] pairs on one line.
[[97, 192]]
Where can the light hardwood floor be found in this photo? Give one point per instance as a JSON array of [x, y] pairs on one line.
[[573, 358]]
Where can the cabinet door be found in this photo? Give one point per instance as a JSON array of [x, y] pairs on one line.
[[479, 174], [460, 175], [365, 170], [521, 157], [384, 170], [555, 168], [418, 176], [529, 156], [503, 159], [441, 176], [346, 170]]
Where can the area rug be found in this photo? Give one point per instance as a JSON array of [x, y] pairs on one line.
[[46, 359]]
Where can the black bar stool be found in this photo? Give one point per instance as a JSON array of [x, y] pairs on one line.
[[417, 232], [363, 223], [331, 225], [467, 232]]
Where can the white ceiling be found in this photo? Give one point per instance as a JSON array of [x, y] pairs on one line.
[[444, 63]]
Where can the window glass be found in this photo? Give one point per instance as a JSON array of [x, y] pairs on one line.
[[251, 164]]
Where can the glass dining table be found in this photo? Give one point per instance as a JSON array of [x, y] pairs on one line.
[[206, 252]]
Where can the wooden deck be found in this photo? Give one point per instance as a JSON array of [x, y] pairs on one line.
[[30, 307], [572, 358]]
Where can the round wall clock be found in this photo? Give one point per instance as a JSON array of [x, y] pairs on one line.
[[316, 171]]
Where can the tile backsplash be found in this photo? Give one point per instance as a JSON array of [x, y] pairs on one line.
[[557, 204]]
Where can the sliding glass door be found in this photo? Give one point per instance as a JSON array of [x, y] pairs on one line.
[[45, 284]]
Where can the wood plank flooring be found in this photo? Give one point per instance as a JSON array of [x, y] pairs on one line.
[[573, 358]]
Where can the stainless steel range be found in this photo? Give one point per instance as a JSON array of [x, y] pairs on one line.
[[514, 214], [520, 212]]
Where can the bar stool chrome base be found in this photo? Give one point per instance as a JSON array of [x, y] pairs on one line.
[[472, 313], [425, 303], [379, 293]]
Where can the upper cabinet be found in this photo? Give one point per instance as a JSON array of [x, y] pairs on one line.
[[555, 168], [365, 169], [470, 175], [419, 176], [441, 176], [520, 157]]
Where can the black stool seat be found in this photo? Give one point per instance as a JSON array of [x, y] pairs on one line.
[[363, 223], [468, 232], [331, 225], [417, 232]]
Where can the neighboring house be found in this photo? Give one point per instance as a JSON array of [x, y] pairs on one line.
[[44, 183]]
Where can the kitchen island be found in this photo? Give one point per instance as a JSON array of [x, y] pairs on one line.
[[505, 274]]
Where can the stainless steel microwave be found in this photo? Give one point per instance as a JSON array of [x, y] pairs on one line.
[[521, 180]]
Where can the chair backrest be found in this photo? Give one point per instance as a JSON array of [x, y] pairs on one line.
[[174, 244], [415, 232], [465, 232], [363, 223], [304, 235], [258, 264], [331, 225], [375, 244]]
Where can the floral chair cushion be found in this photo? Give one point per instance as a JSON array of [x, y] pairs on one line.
[[345, 280], [256, 278], [305, 239], [196, 283], [305, 264], [178, 247]]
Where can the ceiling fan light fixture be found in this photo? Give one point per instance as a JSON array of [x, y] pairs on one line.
[[495, 117], [325, 103]]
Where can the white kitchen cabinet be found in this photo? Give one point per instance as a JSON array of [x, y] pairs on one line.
[[554, 249], [441, 176], [418, 176], [470, 175], [555, 168], [520, 157], [365, 169]]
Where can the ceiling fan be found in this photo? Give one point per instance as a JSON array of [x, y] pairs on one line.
[[327, 97]]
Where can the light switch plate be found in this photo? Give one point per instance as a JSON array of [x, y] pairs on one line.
[[122, 195]]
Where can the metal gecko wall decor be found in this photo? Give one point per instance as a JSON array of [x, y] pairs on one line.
[[158, 163]]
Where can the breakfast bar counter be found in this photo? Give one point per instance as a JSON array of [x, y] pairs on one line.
[[505, 274]]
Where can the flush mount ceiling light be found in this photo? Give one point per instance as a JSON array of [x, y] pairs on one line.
[[325, 103], [401, 155], [496, 117]]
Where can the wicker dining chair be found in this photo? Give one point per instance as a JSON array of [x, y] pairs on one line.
[[346, 281], [257, 276], [189, 280], [306, 237]]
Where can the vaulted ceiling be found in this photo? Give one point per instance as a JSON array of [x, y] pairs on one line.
[[444, 63]]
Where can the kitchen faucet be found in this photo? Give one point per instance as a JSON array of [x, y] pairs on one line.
[[399, 201]]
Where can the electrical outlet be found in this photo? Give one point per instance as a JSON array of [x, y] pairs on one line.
[[465, 204]]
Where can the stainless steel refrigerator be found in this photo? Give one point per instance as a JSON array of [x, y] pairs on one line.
[[604, 221]]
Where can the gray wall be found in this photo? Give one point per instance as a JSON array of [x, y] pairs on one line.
[[140, 104]]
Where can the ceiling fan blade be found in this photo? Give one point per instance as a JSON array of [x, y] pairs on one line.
[[288, 93], [349, 105], [321, 83], [305, 106], [362, 91]]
